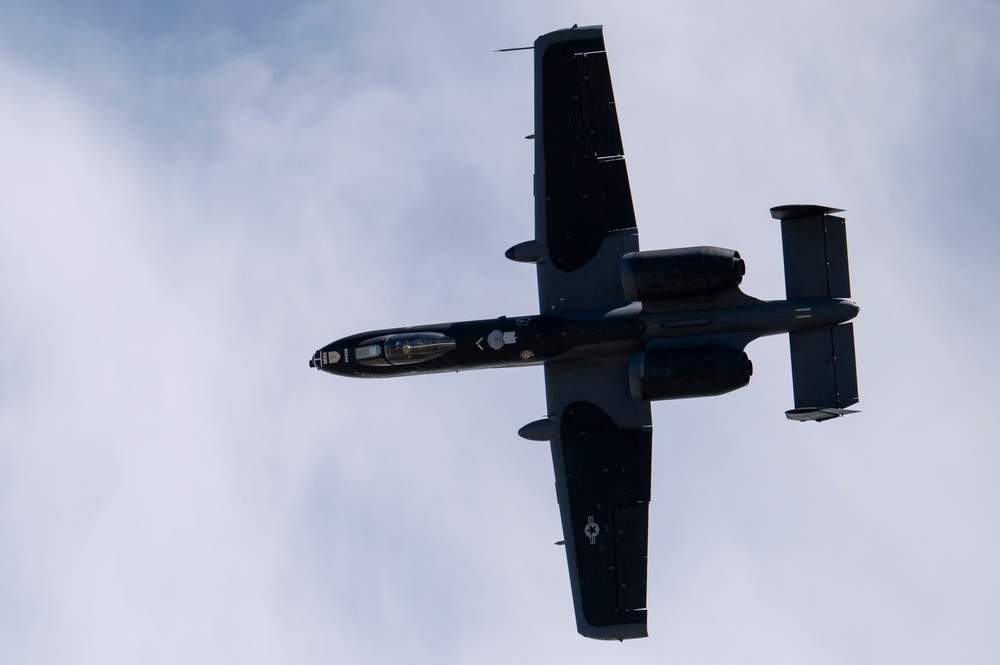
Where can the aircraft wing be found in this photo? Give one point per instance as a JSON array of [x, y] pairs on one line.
[[584, 223], [583, 205], [602, 455]]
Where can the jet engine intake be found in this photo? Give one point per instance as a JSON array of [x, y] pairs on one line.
[[689, 372], [680, 273]]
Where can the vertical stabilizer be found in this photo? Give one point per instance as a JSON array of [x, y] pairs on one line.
[[814, 244], [824, 372]]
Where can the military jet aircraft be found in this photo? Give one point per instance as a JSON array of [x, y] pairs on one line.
[[619, 328]]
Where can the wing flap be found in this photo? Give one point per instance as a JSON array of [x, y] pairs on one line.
[[631, 525]]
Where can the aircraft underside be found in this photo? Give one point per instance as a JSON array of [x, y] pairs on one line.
[[619, 328]]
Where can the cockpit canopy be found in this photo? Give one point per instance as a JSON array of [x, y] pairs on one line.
[[416, 347], [404, 348]]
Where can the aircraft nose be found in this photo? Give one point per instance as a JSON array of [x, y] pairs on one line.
[[325, 360]]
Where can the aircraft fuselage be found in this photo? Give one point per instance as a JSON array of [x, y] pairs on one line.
[[532, 340]]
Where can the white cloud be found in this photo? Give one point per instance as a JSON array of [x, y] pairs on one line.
[[176, 485]]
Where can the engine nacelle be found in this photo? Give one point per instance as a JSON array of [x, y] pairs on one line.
[[679, 373], [680, 273]]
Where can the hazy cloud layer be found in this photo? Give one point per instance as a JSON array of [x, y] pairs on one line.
[[194, 199]]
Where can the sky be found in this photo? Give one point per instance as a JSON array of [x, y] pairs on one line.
[[196, 196]]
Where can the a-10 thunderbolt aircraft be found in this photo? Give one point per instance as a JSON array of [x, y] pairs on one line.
[[619, 328]]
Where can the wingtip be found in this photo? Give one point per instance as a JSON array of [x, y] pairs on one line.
[[615, 632]]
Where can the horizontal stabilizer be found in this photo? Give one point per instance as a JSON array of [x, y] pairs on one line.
[[814, 244], [824, 373]]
